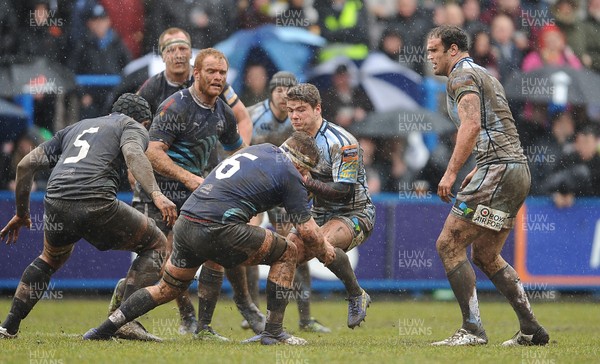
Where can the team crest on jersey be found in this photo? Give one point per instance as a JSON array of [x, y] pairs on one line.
[[350, 153]]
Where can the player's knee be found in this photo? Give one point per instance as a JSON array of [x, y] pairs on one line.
[[56, 256], [290, 254], [171, 287]]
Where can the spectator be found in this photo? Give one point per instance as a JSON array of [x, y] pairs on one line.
[[552, 50], [591, 29], [253, 14], [524, 26], [482, 54], [101, 52], [413, 23], [454, 15], [567, 20], [9, 31], [207, 21], [545, 153], [391, 44], [372, 167], [578, 173], [128, 21], [24, 144], [255, 84], [507, 54], [344, 24], [345, 104], [471, 11]]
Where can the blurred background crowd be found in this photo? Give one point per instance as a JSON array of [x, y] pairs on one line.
[[560, 136]]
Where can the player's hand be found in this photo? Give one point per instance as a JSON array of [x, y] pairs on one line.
[[11, 230], [327, 256], [468, 178], [445, 187], [193, 182], [167, 208]]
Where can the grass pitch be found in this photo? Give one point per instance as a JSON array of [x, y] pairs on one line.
[[395, 332]]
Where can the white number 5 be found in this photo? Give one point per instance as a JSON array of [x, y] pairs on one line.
[[233, 163], [84, 145]]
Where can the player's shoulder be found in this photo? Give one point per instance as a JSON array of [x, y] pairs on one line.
[[176, 102], [464, 77], [336, 135], [258, 110]]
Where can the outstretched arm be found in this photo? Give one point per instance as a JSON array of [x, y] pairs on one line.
[[26, 169], [332, 191], [315, 242], [162, 164]]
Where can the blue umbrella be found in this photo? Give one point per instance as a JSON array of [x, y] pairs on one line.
[[13, 120], [389, 85], [287, 48]]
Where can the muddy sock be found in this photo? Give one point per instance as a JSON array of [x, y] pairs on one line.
[[302, 292], [508, 283], [136, 305], [185, 305], [34, 282], [237, 278], [343, 270], [462, 281], [277, 300], [144, 272], [252, 282], [209, 288]]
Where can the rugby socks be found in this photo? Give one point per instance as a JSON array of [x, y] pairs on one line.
[[144, 272], [277, 300], [508, 283], [462, 281], [237, 279], [185, 305], [209, 288], [302, 290], [135, 306], [34, 282], [343, 270], [252, 282]]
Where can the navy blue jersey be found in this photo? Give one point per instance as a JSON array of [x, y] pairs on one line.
[[157, 88], [191, 131], [87, 158], [253, 180]]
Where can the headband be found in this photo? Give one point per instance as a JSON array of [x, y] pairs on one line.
[[298, 158], [175, 41]]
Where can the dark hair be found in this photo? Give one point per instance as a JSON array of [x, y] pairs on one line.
[[305, 92], [449, 35], [134, 106], [302, 143]]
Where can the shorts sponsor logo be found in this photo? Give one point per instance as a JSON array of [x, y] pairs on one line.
[[460, 208], [489, 218]]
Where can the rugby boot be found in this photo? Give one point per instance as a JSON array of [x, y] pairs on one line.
[[540, 337], [462, 338], [357, 309]]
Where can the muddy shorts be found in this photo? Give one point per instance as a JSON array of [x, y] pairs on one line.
[[196, 241], [494, 195]]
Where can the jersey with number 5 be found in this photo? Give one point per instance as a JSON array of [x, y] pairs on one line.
[[254, 180], [87, 158]]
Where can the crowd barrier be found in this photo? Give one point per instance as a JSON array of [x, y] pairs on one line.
[[552, 249]]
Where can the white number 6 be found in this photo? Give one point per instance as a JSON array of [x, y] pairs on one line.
[[233, 163]]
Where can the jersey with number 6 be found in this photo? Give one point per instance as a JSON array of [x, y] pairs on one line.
[[87, 157], [254, 180]]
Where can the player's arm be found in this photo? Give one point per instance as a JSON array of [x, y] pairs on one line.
[[141, 169], [244, 123], [164, 165], [26, 169], [231, 140], [315, 242], [469, 112], [332, 191]]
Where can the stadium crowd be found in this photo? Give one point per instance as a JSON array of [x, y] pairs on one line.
[[560, 140]]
